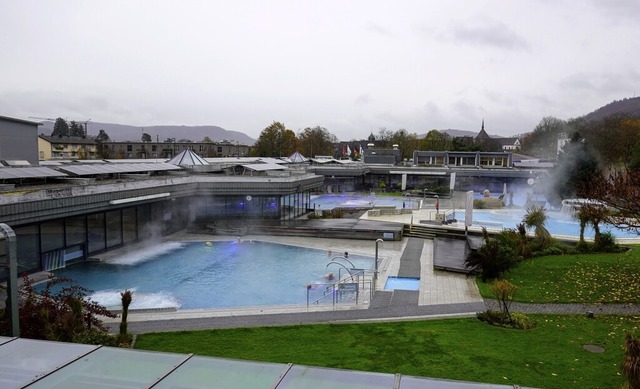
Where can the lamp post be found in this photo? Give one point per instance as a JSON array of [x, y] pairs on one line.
[[375, 275]]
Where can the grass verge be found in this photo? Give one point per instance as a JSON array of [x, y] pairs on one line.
[[576, 278], [548, 356]]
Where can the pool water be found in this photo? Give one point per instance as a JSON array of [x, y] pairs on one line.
[[330, 201], [208, 275], [557, 224], [402, 283]]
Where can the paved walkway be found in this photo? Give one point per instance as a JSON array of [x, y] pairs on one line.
[[442, 294]]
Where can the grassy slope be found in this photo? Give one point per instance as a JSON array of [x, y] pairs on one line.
[[588, 278], [549, 356]]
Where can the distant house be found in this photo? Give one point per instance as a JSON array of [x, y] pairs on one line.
[[381, 156], [510, 144], [507, 144], [65, 147], [18, 140]]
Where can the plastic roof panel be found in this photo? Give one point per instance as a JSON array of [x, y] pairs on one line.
[[111, 367], [25, 360], [29, 172], [202, 372], [46, 364], [321, 378]]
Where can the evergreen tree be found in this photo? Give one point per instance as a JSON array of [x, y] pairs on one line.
[[76, 129], [60, 128], [102, 137]]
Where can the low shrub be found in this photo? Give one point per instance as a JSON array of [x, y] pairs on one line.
[[515, 320], [522, 321], [96, 337], [607, 243]]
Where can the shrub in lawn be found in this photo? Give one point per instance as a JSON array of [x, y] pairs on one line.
[[607, 243], [503, 291], [522, 321], [493, 258], [631, 362]]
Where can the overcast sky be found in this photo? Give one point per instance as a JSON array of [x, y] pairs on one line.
[[349, 66]]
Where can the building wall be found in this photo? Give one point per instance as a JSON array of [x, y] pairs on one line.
[[44, 150], [18, 140], [168, 150]]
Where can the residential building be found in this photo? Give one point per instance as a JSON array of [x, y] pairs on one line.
[[65, 147], [168, 150]]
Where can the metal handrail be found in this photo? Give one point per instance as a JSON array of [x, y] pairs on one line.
[[331, 290]]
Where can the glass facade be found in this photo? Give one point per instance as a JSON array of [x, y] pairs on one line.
[[76, 230], [114, 228], [27, 248], [53, 243], [96, 232]]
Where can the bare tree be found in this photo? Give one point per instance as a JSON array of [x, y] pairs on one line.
[[620, 192]]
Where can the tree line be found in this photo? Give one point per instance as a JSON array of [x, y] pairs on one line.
[[278, 141]]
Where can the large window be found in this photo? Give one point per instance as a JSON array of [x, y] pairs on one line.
[[114, 228], [52, 235], [145, 227], [129, 225], [96, 232], [28, 248]]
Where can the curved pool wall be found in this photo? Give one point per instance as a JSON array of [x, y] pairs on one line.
[[331, 201], [197, 275]]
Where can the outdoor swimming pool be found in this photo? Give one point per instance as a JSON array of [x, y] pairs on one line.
[[330, 201], [209, 275], [557, 224]]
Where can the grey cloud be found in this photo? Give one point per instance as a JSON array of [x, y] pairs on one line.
[[363, 99], [606, 83], [378, 29], [493, 34], [616, 10]]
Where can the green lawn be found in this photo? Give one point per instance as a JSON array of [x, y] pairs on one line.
[[583, 278], [548, 356]]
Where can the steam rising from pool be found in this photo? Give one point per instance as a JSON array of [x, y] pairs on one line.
[[145, 254], [112, 299]]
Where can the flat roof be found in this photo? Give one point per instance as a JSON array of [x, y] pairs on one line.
[[10, 119], [89, 170]]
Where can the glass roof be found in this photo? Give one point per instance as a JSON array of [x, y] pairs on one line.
[[201, 372], [110, 367], [321, 378], [188, 158], [44, 364], [24, 360]]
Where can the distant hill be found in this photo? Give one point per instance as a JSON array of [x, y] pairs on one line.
[[630, 106], [120, 132], [454, 133]]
